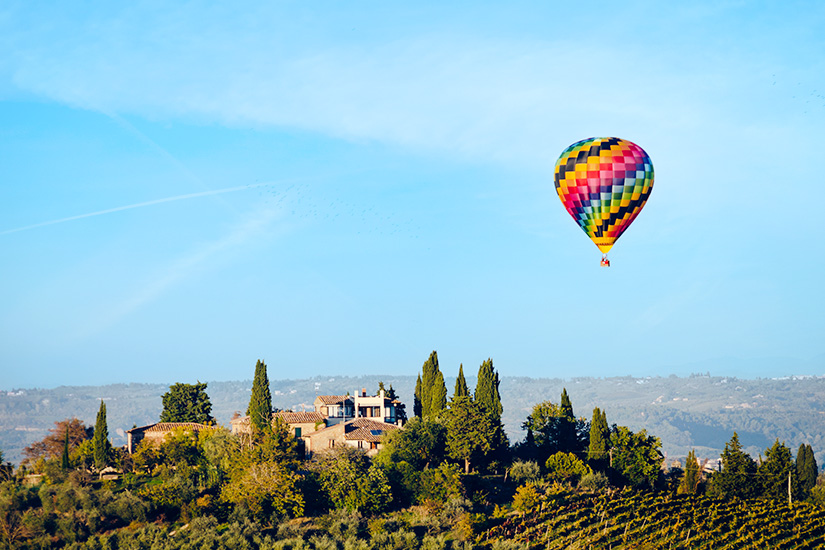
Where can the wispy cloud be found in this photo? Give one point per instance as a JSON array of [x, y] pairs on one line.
[[138, 205], [503, 99], [166, 277]]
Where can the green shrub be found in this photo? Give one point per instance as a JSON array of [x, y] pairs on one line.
[[499, 544], [345, 524], [566, 467], [438, 542], [201, 525], [440, 484], [127, 507], [526, 499], [593, 481], [455, 508], [353, 543], [285, 544], [324, 542], [523, 471]]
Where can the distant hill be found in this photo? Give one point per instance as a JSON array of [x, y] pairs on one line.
[[699, 412]]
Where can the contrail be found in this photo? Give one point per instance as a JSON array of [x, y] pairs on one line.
[[138, 205]]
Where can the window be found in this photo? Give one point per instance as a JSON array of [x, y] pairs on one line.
[[331, 443], [298, 433]]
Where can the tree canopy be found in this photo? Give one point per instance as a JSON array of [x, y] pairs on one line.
[[187, 403], [636, 456], [422, 444], [738, 475], [265, 488], [471, 430], [553, 428], [776, 470], [52, 445], [350, 481]]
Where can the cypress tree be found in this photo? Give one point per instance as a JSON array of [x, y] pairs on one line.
[[487, 389], [461, 389], [433, 393], [567, 438], [439, 395], [100, 439], [260, 403], [597, 451], [566, 406], [806, 470], [428, 371], [400, 408], [417, 409], [812, 469], [690, 480]]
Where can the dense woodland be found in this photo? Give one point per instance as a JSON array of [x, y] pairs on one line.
[[451, 478]]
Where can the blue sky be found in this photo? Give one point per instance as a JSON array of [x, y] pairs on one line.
[[341, 188]]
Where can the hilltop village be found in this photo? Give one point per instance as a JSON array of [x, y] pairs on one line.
[[361, 471], [359, 421]]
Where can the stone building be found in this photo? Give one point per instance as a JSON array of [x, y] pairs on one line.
[[359, 420], [300, 423], [154, 433], [359, 433]]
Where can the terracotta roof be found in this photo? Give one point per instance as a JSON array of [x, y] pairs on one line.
[[169, 427], [332, 399], [299, 417], [358, 428], [369, 423], [289, 417], [366, 429]]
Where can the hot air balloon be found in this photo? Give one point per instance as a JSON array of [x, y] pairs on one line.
[[604, 183]]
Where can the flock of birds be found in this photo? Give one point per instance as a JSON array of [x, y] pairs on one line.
[[307, 203]]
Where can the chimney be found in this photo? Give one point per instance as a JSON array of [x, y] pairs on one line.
[[363, 392]]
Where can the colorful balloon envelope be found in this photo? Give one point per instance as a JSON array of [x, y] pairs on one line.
[[604, 183]]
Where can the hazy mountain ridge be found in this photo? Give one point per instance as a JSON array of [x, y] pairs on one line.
[[699, 412]]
